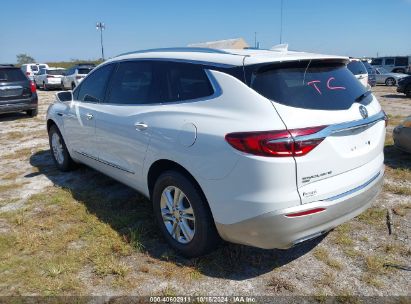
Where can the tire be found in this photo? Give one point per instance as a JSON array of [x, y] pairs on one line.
[[59, 153], [204, 235], [390, 81], [408, 91], [32, 113], [44, 86], [73, 86], [62, 87]]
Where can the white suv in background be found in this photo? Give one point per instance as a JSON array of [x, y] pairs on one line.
[[49, 78], [73, 76], [258, 147], [32, 69], [359, 70]]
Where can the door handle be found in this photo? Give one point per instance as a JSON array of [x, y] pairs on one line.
[[140, 126], [89, 116]]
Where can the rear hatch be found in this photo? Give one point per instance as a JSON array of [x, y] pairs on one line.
[[82, 73], [348, 144], [14, 85]]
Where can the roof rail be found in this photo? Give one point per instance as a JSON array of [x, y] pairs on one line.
[[178, 49]]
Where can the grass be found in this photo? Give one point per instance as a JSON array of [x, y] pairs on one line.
[[22, 153], [38, 253], [398, 189], [322, 255], [277, 284], [342, 236], [373, 216]]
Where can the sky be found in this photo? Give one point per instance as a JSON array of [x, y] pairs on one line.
[[51, 30]]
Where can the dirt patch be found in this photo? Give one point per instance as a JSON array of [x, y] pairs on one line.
[[84, 233]]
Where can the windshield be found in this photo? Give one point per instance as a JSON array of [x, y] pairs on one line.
[[320, 86], [84, 71], [357, 68], [55, 72], [10, 75], [382, 71]]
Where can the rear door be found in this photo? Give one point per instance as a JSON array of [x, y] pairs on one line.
[[14, 86], [350, 142]]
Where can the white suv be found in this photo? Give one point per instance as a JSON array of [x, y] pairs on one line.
[[49, 78], [264, 148], [73, 76]]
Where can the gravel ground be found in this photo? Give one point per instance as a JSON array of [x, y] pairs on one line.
[[348, 261]]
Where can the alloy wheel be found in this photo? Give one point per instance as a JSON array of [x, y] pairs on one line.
[[58, 149], [178, 214]]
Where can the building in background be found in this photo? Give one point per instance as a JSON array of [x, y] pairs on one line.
[[236, 43]]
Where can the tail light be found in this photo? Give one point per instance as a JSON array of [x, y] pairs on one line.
[[79, 77], [32, 87], [284, 143], [28, 73], [50, 76]]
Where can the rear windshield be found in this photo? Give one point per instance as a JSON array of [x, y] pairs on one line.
[[357, 68], [54, 72], [310, 86], [34, 67], [10, 75], [84, 71]]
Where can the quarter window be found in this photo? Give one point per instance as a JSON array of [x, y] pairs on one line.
[[93, 88]]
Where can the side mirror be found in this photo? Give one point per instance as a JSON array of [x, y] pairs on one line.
[[64, 96]]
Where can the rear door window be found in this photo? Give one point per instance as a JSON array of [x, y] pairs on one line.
[[186, 81], [389, 61], [401, 61], [376, 61], [357, 68], [11, 75], [316, 86]]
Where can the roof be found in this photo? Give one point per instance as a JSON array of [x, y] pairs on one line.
[[236, 43], [233, 57]]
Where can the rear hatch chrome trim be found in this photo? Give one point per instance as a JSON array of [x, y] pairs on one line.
[[346, 126], [336, 197]]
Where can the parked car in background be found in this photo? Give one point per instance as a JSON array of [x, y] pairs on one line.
[[358, 69], [73, 76], [404, 86], [402, 135], [398, 64], [30, 70], [49, 78], [238, 144], [17, 92], [387, 78], [372, 80]]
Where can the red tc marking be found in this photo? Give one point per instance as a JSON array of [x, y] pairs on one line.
[[329, 86]]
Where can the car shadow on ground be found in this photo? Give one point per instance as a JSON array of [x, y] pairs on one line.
[[125, 211], [396, 159], [14, 116]]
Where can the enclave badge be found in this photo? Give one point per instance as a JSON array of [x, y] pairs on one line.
[[363, 112]]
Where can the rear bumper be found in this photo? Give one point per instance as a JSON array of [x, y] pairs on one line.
[[19, 105], [276, 230]]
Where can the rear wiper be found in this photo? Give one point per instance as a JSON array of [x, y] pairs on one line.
[[362, 96]]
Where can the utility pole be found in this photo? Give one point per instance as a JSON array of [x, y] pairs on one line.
[[281, 23], [100, 26], [255, 40]]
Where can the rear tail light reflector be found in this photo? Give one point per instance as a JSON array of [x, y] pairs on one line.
[[307, 212]]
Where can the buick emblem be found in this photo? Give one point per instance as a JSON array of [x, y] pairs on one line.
[[363, 112]]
